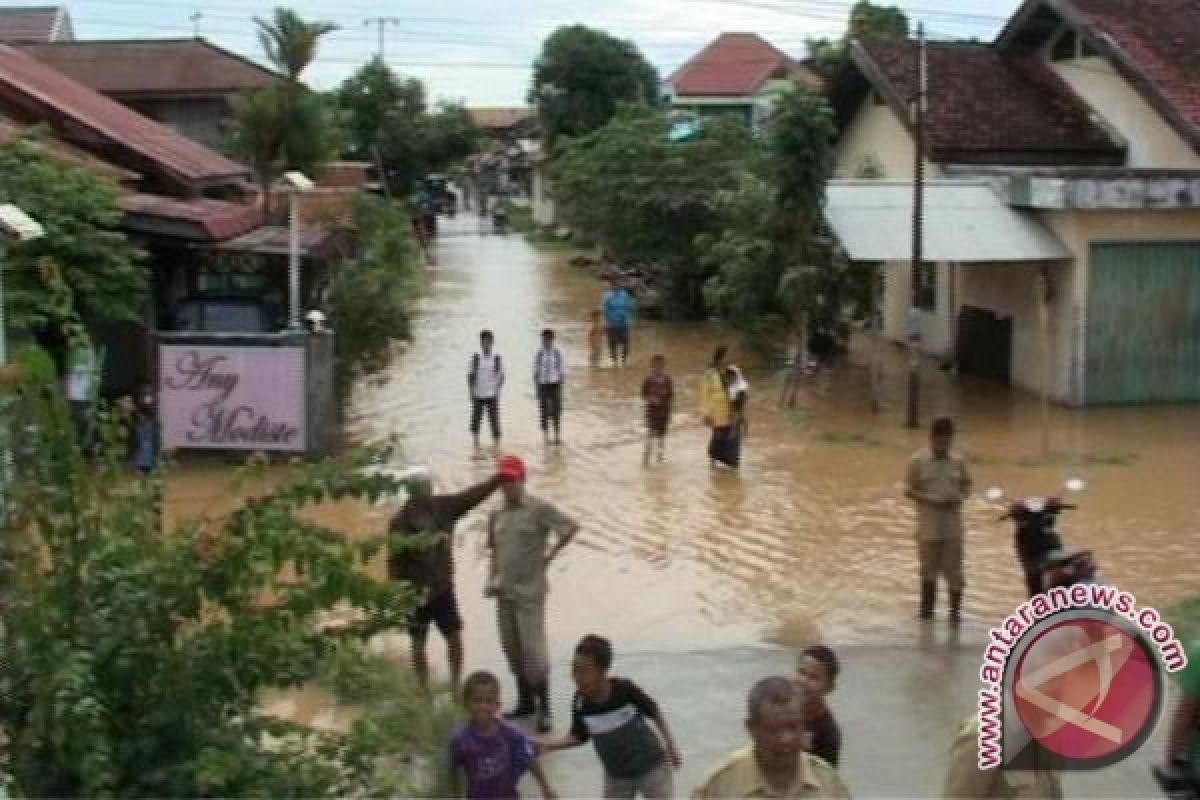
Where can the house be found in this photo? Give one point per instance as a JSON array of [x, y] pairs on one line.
[[1063, 225], [187, 85], [184, 204], [503, 123], [35, 24], [737, 73]]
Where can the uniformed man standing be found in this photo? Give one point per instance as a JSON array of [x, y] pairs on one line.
[[938, 482]]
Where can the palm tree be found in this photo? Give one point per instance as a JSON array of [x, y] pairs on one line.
[[291, 43], [269, 121]]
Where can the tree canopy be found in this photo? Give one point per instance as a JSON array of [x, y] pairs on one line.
[[386, 116], [582, 77], [84, 267], [645, 198], [866, 20]]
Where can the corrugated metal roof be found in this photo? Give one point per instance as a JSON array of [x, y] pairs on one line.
[[965, 222], [41, 92], [57, 148]]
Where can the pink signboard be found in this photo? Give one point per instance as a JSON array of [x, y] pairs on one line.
[[232, 398]]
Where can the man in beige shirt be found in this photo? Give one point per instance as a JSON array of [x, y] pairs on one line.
[[519, 534], [775, 765], [966, 779], [938, 482]]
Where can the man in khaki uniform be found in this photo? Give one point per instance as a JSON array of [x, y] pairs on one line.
[[518, 535], [775, 765], [938, 482], [965, 779]]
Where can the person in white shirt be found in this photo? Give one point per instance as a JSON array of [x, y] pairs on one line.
[[485, 379], [548, 370]]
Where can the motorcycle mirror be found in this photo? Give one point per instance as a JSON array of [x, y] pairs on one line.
[[1075, 484], [994, 494]]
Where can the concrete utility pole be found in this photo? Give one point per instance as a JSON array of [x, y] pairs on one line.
[[918, 276], [195, 18], [381, 24]]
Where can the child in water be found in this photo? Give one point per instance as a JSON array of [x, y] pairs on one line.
[[658, 392], [595, 339]]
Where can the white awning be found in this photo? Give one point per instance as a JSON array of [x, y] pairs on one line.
[[965, 222]]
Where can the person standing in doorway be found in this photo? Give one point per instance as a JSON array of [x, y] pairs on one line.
[[430, 568], [658, 393], [519, 534], [938, 482], [617, 306], [485, 379], [548, 372], [715, 407]]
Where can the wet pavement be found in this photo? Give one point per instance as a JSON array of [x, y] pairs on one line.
[[705, 579]]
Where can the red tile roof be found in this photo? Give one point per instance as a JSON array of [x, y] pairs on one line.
[[733, 65], [1155, 44], [35, 24], [153, 66], [32, 91], [200, 219], [985, 107]]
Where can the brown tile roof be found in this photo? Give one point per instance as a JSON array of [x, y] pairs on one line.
[[153, 66], [733, 65], [985, 107], [1155, 44], [34, 24], [499, 118], [200, 219], [30, 91]]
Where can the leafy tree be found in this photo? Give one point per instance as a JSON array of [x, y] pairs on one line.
[[84, 268], [583, 76], [645, 198], [774, 270], [867, 20], [387, 118], [371, 299], [286, 126], [136, 652]]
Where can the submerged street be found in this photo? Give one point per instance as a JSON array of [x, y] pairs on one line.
[[699, 577]]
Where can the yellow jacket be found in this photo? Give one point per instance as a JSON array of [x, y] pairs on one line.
[[714, 400]]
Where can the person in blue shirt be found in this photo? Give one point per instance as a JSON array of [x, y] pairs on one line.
[[617, 306]]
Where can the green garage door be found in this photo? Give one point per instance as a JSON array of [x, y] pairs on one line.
[[1143, 338]]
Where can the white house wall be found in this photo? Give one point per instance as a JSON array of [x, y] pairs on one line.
[[876, 134], [1152, 142]]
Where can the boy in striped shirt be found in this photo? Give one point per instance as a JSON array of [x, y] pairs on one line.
[[613, 713]]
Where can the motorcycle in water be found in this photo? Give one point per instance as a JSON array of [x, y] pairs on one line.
[[1044, 560], [500, 220]]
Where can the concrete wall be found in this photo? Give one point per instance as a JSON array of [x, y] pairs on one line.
[[543, 205], [1152, 142], [876, 133], [201, 120], [936, 326]]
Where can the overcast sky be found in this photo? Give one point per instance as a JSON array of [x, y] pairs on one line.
[[480, 51]]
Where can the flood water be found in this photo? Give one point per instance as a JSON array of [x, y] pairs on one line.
[[690, 571], [813, 537]]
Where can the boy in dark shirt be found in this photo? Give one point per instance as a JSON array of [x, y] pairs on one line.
[[816, 672], [612, 712], [428, 566]]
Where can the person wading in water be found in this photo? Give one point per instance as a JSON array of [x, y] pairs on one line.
[[715, 406]]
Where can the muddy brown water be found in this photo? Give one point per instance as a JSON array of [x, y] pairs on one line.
[[811, 539]]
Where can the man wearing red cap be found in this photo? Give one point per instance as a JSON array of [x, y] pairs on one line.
[[518, 535]]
